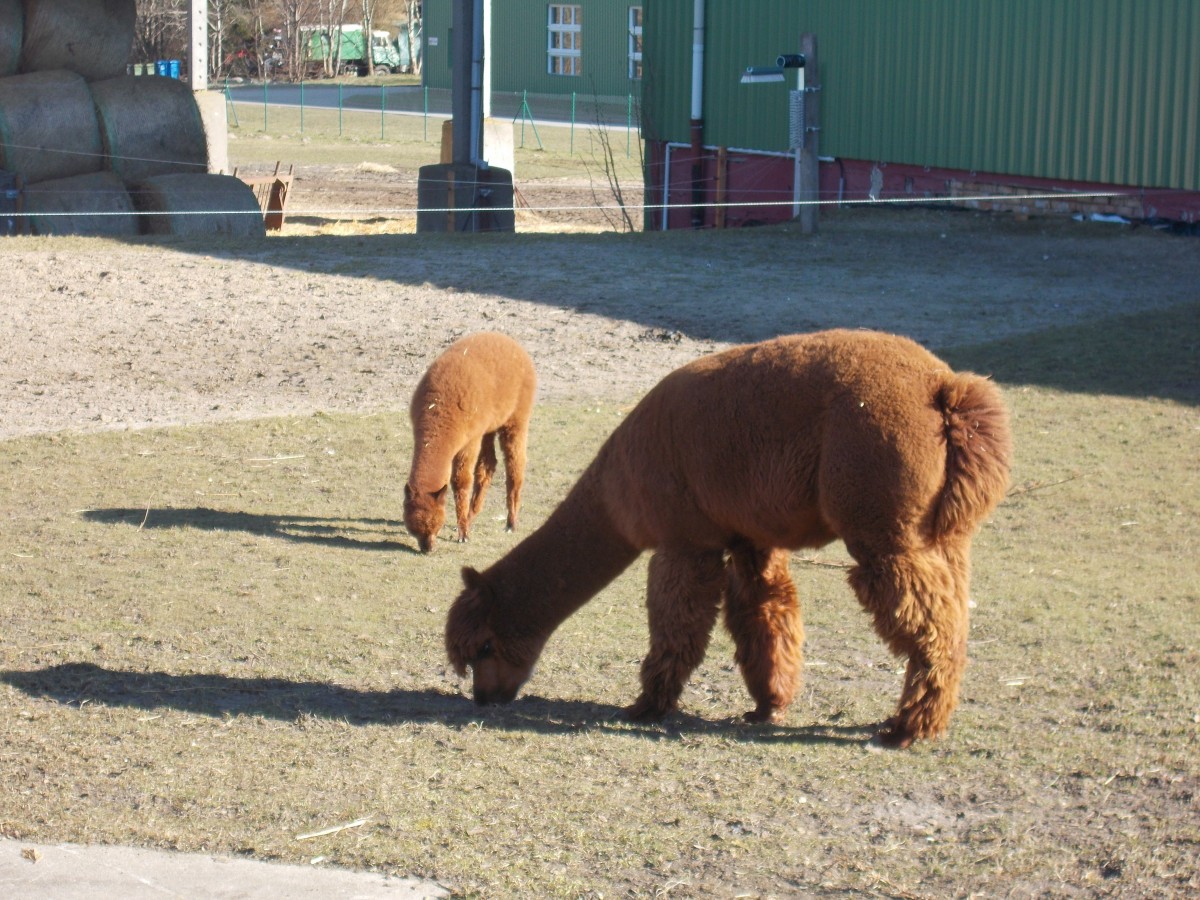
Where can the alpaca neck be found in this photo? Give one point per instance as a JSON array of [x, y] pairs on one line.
[[574, 555], [433, 456]]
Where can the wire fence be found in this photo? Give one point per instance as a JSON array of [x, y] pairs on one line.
[[572, 124], [377, 110], [580, 163]]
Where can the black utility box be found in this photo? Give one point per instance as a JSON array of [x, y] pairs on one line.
[[464, 197]]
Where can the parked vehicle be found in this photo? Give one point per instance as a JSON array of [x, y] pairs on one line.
[[320, 50]]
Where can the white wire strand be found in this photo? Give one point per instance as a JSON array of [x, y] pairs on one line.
[[410, 210], [141, 159]]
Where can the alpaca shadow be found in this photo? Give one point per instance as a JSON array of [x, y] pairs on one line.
[[681, 724], [351, 534], [73, 684], [220, 696]]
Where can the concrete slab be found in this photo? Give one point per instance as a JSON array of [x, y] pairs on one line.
[[75, 872]]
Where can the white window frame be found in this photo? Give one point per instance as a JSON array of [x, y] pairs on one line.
[[635, 43], [564, 39]]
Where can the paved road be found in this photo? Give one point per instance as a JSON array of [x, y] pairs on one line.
[[616, 111], [77, 872]]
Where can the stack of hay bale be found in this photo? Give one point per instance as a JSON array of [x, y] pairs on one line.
[[100, 152]]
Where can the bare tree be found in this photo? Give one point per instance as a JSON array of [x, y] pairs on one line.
[[413, 27], [234, 35], [253, 37], [216, 36], [608, 161], [368, 24], [254, 17], [333, 17], [161, 30], [292, 14]]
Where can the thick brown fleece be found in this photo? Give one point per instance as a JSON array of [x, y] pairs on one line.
[[727, 465], [482, 387]]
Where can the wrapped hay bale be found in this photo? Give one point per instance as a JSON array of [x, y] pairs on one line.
[[90, 37], [12, 26], [149, 126], [48, 127], [96, 205], [197, 206]]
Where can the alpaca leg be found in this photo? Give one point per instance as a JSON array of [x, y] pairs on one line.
[[484, 470], [683, 596], [919, 603], [462, 479], [762, 614], [512, 445]]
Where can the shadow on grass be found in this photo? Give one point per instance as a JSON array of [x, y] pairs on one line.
[[74, 684], [305, 529], [1150, 354]]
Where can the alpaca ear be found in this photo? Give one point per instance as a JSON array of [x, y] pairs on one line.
[[408, 492], [439, 496], [466, 622]]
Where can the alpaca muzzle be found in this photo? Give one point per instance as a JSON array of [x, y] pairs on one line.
[[495, 681], [495, 696]]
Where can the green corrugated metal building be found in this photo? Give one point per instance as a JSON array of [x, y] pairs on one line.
[[589, 47], [931, 96]]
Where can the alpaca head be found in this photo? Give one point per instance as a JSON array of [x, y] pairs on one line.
[[424, 514], [500, 662]]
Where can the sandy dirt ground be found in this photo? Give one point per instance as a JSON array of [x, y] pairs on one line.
[[100, 334]]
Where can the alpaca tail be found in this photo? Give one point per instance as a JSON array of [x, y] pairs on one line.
[[978, 451]]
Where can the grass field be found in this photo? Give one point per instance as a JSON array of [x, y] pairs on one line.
[[220, 638], [408, 141]]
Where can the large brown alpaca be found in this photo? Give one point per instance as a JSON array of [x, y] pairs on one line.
[[725, 466], [480, 388]]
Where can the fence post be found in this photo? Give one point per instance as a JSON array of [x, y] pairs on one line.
[[524, 113], [809, 163], [230, 104], [722, 186], [425, 116]]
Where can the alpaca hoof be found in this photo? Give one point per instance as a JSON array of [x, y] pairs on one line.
[[646, 711], [892, 736], [769, 715], [462, 539]]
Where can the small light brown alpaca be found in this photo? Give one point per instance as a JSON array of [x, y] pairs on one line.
[[480, 388], [725, 466]]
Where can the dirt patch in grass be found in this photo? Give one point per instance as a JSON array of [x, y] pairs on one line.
[[108, 335], [217, 636]]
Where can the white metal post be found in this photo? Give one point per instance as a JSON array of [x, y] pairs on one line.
[[487, 61], [796, 175], [198, 48]]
